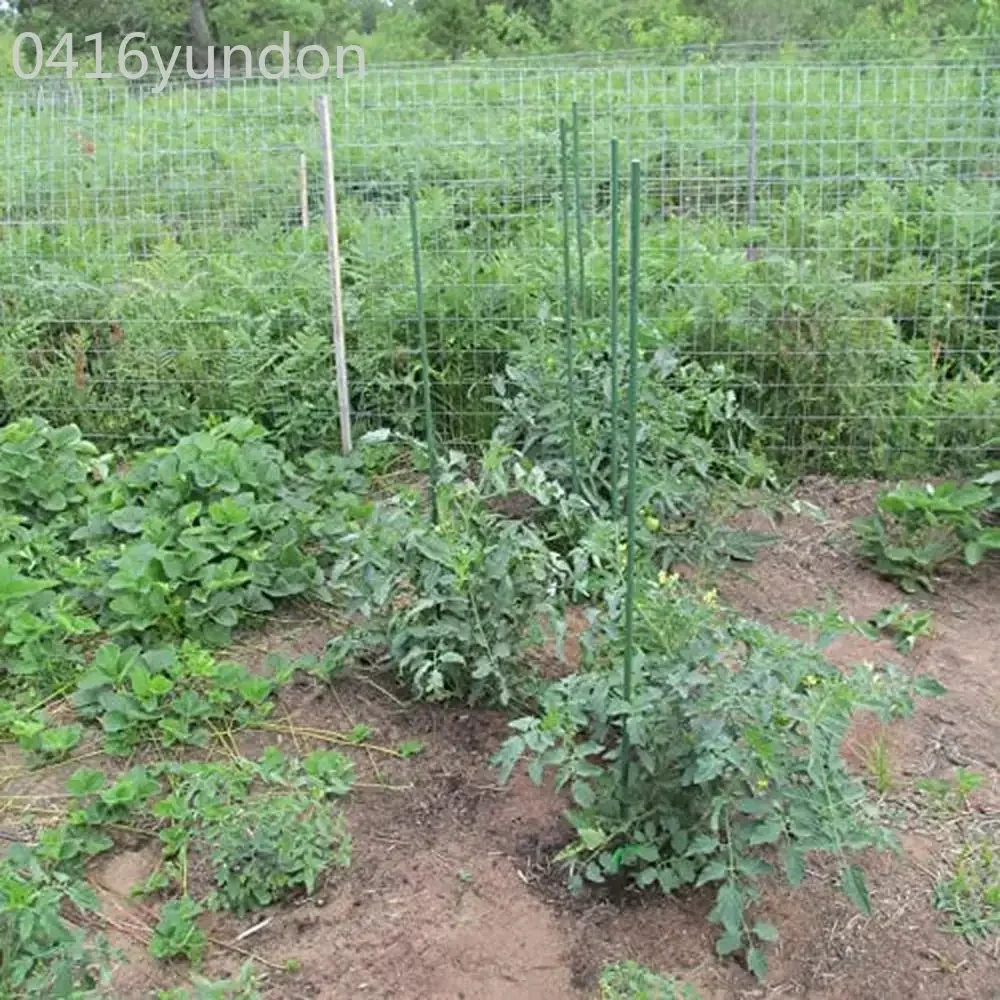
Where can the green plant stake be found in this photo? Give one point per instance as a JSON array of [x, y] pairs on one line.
[[424, 358], [578, 204], [568, 315], [613, 295], [633, 364]]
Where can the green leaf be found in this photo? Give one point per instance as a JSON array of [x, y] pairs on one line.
[[928, 687], [728, 909], [707, 768], [592, 839], [715, 871], [766, 833], [728, 943], [795, 866], [974, 552], [128, 520], [765, 931], [13, 585], [757, 963], [856, 888], [703, 844], [86, 781], [159, 685], [583, 795]]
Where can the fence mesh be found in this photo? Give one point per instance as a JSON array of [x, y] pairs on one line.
[[827, 231]]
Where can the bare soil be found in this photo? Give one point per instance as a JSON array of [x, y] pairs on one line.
[[452, 895]]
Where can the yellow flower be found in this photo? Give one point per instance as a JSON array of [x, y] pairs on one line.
[[762, 784], [711, 598], [810, 680], [663, 578]]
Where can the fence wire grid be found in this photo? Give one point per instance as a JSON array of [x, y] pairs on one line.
[[827, 231]]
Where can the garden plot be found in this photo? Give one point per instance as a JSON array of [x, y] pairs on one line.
[[282, 806]]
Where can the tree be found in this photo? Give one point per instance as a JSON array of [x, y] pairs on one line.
[[451, 25]]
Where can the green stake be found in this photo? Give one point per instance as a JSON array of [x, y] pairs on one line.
[[633, 364], [613, 295], [568, 281], [578, 203], [424, 359]]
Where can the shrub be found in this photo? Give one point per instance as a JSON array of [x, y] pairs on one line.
[[734, 734], [456, 601]]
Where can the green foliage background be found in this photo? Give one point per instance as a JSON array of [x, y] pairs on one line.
[[154, 273]]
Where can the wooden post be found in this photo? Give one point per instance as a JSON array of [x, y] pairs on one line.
[[333, 257], [303, 191]]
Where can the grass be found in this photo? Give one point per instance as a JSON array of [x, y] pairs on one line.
[[879, 763]]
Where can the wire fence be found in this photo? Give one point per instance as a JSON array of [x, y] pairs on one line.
[[827, 231]]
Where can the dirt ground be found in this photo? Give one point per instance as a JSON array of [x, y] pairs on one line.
[[451, 895]]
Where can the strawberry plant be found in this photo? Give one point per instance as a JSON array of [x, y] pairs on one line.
[[169, 695], [735, 735], [36, 734], [194, 538], [45, 470], [242, 987], [177, 935], [259, 831], [42, 954], [916, 530], [42, 632]]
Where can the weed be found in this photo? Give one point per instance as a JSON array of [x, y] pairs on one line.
[[904, 625], [629, 981], [971, 894], [951, 794], [879, 764], [264, 856]]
